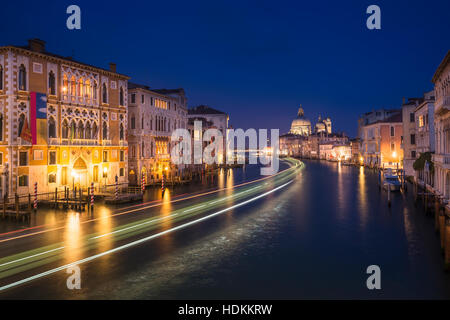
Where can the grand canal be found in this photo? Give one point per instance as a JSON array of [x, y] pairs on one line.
[[309, 232]]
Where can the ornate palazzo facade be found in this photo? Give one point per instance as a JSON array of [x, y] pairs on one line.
[[62, 122]]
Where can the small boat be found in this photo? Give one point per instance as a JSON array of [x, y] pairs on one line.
[[392, 182]]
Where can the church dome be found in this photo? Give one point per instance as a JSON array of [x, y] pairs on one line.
[[301, 125]]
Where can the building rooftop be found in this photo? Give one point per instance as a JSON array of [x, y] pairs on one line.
[[38, 46], [441, 67], [204, 109]]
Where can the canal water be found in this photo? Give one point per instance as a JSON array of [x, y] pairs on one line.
[[311, 240]]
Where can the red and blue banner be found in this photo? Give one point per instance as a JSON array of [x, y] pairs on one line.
[[38, 110]]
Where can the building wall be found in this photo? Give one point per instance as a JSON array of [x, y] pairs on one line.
[[62, 107], [409, 137], [154, 117]]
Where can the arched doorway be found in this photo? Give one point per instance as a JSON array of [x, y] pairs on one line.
[[79, 173]]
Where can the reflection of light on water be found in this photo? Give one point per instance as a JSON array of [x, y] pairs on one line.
[[221, 179], [104, 226], [72, 237], [166, 210], [229, 191], [362, 196], [341, 190]]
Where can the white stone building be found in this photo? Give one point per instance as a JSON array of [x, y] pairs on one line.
[[441, 158], [152, 116]]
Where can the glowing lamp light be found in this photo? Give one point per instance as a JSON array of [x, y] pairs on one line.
[[394, 154], [105, 169]]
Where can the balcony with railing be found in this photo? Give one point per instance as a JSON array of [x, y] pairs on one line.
[[442, 160], [79, 142]]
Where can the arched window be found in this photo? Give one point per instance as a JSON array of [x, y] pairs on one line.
[[121, 133], [73, 88], [80, 130], [104, 94], [73, 129], [65, 84], [21, 123], [65, 129], [88, 89], [51, 83], [121, 98], [22, 78], [87, 134], [105, 131], [95, 90], [80, 92], [51, 128], [1, 77], [94, 131], [133, 122]]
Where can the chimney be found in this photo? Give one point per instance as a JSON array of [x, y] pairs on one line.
[[36, 45], [112, 67], [404, 100]]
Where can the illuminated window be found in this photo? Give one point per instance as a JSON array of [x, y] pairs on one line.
[[421, 122]]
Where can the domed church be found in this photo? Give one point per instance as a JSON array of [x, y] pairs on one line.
[[323, 125], [301, 125]]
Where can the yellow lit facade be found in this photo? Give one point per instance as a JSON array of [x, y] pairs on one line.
[[79, 132]]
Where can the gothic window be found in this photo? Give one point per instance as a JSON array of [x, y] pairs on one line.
[[105, 130], [65, 84], [94, 131], [88, 131], [104, 94], [88, 89], [1, 77], [51, 83], [95, 90], [122, 102], [51, 128], [80, 130], [121, 133], [73, 84], [73, 129], [65, 129], [22, 78]]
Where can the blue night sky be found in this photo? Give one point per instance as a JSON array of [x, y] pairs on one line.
[[258, 60]]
